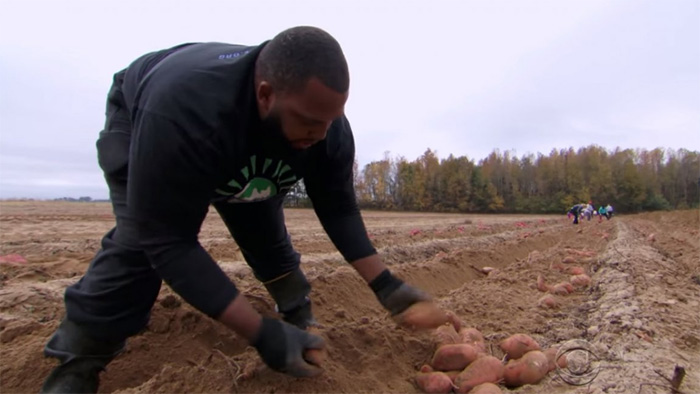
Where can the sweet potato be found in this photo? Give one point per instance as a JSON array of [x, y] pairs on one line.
[[530, 369], [576, 271], [551, 354], [584, 253], [485, 369], [548, 302], [486, 388], [446, 335], [453, 374], [557, 266], [515, 346], [434, 382], [569, 287], [315, 356], [472, 336], [452, 357], [563, 288], [541, 286], [424, 315], [569, 260], [581, 280]]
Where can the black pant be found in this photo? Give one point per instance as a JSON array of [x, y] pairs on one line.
[[112, 301], [576, 213]]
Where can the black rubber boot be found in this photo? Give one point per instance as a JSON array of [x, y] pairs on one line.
[[76, 376], [291, 293], [82, 359]]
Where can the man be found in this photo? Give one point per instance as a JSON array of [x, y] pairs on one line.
[[233, 126], [588, 210], [609, 210], [575, 211]]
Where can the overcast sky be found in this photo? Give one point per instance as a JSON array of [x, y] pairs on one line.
[[460, 77]]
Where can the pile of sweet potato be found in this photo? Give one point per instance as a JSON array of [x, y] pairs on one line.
[[578, 279], [461, 363]]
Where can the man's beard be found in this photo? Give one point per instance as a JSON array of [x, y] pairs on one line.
[[273, 135], [271, 127]]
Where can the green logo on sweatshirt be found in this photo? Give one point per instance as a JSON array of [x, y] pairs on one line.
[[260, 180]]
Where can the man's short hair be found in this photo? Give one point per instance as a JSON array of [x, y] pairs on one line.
[[300, 53]]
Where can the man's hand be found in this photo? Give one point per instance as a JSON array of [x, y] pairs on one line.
[[411, 307], [288, 349], [392, 293], [395, 295], [403, 297]]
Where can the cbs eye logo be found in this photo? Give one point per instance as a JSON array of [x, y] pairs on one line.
[[583, 365]]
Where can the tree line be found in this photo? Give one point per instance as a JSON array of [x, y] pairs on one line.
[[632, 180]]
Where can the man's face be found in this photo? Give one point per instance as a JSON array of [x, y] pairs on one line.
[[304, 116]]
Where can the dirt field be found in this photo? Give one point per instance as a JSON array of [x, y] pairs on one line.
[[640, 316]]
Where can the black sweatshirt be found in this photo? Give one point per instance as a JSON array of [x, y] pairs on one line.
[[197, 139]]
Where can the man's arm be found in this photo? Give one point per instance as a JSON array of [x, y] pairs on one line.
[[329, 184], [240, 316], [169, 187], [332, 192], [170, 181], [369, 267]]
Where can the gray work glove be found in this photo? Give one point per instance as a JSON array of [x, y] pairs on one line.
[[282, 346], [395, 295]]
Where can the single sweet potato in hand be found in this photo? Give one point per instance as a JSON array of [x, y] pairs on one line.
[[434, 382], [530, 369], [515, 346], [486, 388], [485, 369], [315, 356], [453, 357], [424, 315]]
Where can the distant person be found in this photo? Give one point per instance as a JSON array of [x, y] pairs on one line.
[[588, 210], [234, 126], [602, 212], [609, 211], [576, 211]]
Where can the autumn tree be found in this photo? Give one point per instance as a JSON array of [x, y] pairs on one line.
[[631, 180]]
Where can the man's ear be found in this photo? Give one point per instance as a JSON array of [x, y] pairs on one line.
[[265, 96]]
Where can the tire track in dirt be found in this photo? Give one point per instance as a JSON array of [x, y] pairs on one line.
[[644, 317]]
